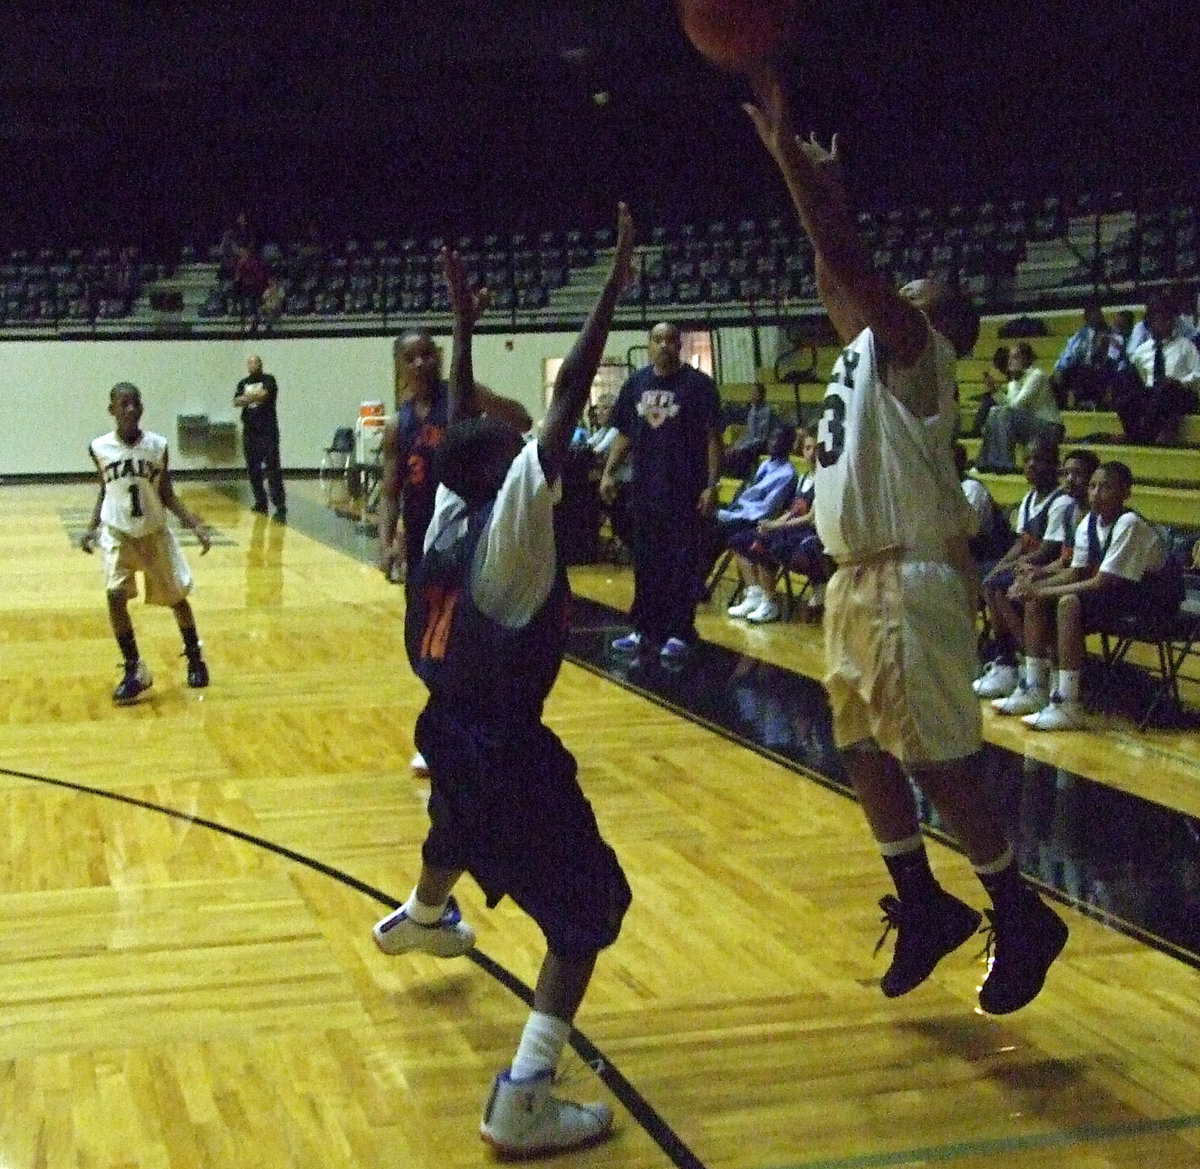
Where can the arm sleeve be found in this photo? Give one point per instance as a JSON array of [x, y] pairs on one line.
[[1189, 369], [1079, 558], [1028, 390], [516, 560], [1056, 522], [1134, 550]]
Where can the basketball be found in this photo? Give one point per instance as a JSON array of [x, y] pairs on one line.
[[737, 34]]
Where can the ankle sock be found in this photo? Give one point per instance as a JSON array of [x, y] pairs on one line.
[[129, 649], [908, 863], [423, 914], [1037, 673], [1068, 685], [1002, 880], [541, 1046]]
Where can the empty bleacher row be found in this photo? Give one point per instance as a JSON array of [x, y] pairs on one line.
[[73, 285], [1019, 252], [383, 279]]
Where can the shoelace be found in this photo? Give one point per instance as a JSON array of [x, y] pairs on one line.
[[988, 933], [571, 1070], [893, 917]]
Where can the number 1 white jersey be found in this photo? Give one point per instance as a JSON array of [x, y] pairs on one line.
[[131, 476], [886, 478]]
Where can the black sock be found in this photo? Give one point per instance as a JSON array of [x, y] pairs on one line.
[[912, 876], [191, 640], [1006, 888], [129, 649]]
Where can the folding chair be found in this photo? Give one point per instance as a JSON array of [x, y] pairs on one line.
[[335, 461], [367, 466], [1175, 639]]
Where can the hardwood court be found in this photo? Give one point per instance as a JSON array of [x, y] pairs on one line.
[[187, 976]]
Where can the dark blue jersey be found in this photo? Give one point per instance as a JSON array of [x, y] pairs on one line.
[[479, 669], [418, 439]]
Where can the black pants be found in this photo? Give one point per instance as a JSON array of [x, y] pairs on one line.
[[262, 461], [667, 583], [1150, 415]]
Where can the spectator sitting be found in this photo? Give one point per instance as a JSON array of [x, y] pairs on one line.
[[250, 279], [1007, 607], [1090, 361], [1122, 327], [1176, 304], [770, 490], [1029, 411], [1117, 556], [1167, 365], [270, 306], [789, 543], [1032, 548], [993, 536], [742, 456], [992, 387], [237, 238]]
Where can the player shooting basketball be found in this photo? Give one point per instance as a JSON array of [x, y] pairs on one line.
[[899, 630]]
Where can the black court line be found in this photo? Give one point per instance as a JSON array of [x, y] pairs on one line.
[[1122, 860], [771, 697], [640, 1109]]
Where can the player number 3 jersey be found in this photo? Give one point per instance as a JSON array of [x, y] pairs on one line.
[[131, 477], [885, 477]]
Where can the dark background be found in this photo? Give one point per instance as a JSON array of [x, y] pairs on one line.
[[153, 123]]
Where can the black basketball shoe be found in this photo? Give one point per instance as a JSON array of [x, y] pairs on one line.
[[926, 931]]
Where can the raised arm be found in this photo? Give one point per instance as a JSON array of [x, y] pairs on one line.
[[391, 490], [468, 305], [854, 295], [578, 370]]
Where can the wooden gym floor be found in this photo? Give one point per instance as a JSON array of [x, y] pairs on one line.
[[186, 971]]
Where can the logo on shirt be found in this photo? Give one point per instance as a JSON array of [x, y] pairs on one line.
[[657, 406], [131, 469]]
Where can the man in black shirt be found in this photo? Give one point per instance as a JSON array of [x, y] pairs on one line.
[[256, 395]]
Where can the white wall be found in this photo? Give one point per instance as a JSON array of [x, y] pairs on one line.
[[54, 394]]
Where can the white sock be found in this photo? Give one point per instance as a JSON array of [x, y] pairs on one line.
[[421, 913], [1037, 673], [1068, 685], [754, 593], [541, 1046]]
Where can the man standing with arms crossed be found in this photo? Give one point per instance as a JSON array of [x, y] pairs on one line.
[[256, 395]]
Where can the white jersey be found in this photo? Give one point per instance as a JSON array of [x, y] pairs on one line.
[[886, 479], [131, 476]]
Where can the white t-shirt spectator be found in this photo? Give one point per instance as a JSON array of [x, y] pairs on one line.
[[1130, 547]]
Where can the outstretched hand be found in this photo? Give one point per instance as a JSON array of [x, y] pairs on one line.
[[773, 123], [771, 117], [467, 302]]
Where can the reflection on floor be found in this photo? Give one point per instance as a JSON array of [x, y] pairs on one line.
[[1117, 857]]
